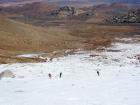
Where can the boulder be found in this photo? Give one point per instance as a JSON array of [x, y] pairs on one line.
[[7, 74]]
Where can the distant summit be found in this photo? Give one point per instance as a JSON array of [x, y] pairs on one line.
[[75, 3], [95, 1], [91, 1]]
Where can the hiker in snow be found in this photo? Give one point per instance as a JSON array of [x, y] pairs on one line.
[[50, 76], [60, 75], [98, 73]]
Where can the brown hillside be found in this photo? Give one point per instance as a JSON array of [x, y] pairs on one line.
[[20, 37]]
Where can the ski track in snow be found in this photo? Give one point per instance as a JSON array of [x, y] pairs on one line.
[[118, 83]]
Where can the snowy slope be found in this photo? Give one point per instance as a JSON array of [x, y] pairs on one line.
[[118, 83]]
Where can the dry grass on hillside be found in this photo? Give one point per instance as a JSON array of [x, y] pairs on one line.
[[99, 35], [93, 30], [22, 37]]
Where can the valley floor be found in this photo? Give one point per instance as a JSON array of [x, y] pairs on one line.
[[118, 83]]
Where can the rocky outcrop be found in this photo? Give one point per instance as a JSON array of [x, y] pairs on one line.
[[131, 17], [64, 12]]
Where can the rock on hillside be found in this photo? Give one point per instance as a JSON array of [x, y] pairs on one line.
[[131, 17], [63, 12]]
